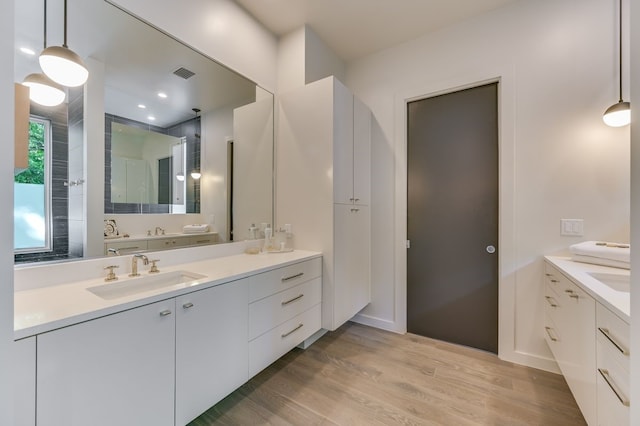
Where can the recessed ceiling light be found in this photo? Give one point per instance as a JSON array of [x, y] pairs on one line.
[[151, 118], [27, 51], [142, 106], [162, 95]]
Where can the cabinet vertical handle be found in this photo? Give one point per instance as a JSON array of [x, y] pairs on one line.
[[605, 375], [165, 313], [187, 305], [552, 301], [548, 330], [605, 332], [292, 277], [292, 331]]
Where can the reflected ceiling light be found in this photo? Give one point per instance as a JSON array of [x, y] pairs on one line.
[[195, 173], [162, 95], [27, 51], [62, 64], [141, 106], [151, 118], [618, 114], [43, 91]]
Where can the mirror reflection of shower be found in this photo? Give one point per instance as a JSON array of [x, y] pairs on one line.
[[179, 153]]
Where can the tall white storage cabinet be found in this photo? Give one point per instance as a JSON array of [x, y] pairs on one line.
[[324, 175]]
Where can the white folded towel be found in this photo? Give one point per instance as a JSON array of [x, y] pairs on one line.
[[195, 229], [600, 261], [602, 250]]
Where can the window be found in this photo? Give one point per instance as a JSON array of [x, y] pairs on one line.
[[31, 209]]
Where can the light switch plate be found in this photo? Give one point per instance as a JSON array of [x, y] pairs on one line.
[[572, 227]]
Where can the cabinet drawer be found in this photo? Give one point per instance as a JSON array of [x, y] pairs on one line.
[[613, 388], [274, 310], [168, 243], [552, 277], [125, 247], [268, 283], [613, 333], [272, 345], [553, 339], [552, 304], [203, 240]]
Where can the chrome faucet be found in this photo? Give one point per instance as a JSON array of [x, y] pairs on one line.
[[134, 264]]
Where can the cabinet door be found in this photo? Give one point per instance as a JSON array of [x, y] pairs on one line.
[[24, 379], [115, 370], [352, 288], [361, 153], [211, 347], [342, 144]]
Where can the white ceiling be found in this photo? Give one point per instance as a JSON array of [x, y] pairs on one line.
[[356, 28]]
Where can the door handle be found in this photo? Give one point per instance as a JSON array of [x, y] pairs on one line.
[[490, 249]]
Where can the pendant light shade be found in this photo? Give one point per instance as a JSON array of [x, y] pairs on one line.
[[196, 174], [43, 91], [180, 176], [63, 66], [618, 114]]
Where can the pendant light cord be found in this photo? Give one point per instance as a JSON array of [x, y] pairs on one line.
[[619, 47], [65, 24], [45, 24]]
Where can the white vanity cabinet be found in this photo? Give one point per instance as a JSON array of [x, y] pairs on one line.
[[211, 347], [324, 157], [24, 379], [570, 334], [613, 343], [284, 310], [114, 370]]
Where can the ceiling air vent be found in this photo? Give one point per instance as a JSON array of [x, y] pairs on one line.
[[184, 73]]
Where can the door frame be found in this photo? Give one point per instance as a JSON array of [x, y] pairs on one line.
[[506, 196]]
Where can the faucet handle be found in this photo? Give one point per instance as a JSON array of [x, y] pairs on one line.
[[111, 276], [154, 269]]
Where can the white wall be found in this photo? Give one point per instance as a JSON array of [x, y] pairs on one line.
[[556, 64], [220, 29], [635, 208], [6, 211]]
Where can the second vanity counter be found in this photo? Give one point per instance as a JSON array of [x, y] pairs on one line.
[[46, 308]]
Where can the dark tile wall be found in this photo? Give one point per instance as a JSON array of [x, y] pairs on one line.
[[189, 129], [59, 192]]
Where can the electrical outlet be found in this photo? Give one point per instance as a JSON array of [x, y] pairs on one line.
[[572, 227]]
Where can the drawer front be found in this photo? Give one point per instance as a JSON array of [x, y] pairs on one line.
[[552, 277], [613, 333], [268, 283], [552, 304], [203, 240], [126, 246], [169, 243], [553, 339], [613, 384], [272, 311], [272, 345]]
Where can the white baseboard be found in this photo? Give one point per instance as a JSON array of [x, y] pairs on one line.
[[377, 323], [529, 360]]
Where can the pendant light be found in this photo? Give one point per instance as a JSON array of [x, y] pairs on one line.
[[619, 114], [62, 64], [42, 90], [195, 173]]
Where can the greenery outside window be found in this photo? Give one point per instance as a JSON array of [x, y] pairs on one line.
[[32, 200]]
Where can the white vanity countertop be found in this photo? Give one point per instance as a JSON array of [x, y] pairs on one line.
[[144, 237], [618, 302], [44, 309]]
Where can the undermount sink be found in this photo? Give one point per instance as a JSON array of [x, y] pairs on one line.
[[617, 282], [131, 286]]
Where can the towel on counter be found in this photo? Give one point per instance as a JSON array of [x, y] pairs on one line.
[[195, 229], [602, 253]]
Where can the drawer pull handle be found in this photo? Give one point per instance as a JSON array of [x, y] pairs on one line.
[[605, 332], [551, 301], [572, 294], [292, 331], [554, 281], [605, 375], [165, 313], [298, 297], [548, 275], [293, 277], [548, 330], [187, 305], [121, 249]]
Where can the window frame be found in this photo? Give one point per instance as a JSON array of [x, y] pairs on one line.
[[48, 222]]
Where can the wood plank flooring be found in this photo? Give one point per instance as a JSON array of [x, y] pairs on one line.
[[360, 375]]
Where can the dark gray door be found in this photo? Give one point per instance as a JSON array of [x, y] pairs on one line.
[[452, 264]]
